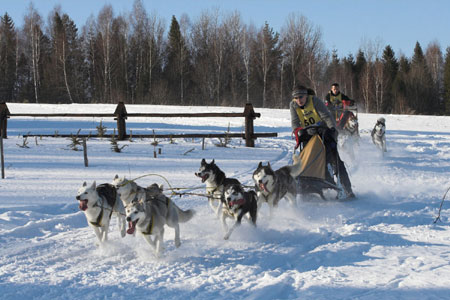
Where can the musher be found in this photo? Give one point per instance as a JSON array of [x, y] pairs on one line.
[[306, 110], [338, 103]]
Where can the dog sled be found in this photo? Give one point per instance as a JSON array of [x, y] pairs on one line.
[[316, 175]]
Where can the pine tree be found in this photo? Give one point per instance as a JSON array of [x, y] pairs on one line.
[[360, 64], [423, 97], [390, 69], [7, 58], [177, 65]]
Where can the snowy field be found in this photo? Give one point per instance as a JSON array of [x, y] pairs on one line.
[[383, 245]]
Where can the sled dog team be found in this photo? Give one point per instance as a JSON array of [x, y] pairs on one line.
[[147, 210]]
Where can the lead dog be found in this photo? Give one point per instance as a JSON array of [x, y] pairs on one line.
[[149, 215], [98, 204], [379, 134], [272, 185], [237, 204], [215, 183]]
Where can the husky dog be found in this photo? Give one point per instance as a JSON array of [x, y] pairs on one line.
[[238, 203], [272, 185], [349, 136], [149, 215], [215, 182], [351, 126], [98, 204], [379, 134], [128, 190]]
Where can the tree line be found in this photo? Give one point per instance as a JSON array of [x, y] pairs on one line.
[[214, 60]]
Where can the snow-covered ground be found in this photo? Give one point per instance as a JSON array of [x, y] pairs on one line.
[[383, 245]]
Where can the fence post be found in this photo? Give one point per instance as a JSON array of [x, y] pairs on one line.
[[4, 115], [121, 116], [250, 115]]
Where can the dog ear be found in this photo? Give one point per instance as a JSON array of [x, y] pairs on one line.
[[161, 187], [93, 185], [260, 164], [84, 183], [212, 162], [268, 164], [203, 162], [117, 176]]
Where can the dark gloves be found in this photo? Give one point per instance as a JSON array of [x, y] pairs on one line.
[[312, 131]]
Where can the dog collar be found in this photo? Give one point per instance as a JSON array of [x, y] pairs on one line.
[[237, 202]]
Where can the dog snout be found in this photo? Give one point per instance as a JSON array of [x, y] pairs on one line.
[[77, 197], [128, 219]]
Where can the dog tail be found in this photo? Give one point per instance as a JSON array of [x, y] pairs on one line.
[[185, 215], [296, 168]]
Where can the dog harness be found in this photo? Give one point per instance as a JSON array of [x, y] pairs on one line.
[[308, 114], [149, 227], [98, 223], [106, 192]]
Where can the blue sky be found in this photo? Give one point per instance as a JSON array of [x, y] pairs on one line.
[[345, 24]]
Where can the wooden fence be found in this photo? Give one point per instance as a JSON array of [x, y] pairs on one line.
[[120, 114]]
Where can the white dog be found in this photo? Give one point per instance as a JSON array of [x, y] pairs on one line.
[[98, 204], [379, 134], [128, 190], [149, 215]]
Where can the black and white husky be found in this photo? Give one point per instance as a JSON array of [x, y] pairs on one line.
[[237, 204], [379, 134], [215, 183], [98, 204], [272, 185], [149, 215]]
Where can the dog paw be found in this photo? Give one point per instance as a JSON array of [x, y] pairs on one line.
[[226, 237], [177, 244]]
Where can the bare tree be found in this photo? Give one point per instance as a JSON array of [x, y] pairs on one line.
[[301, 43], [155, 40], [435, 63], [33, 33], [205, 72], [245, 49], [367, 73], [184, 54], [58, 32], [234, 35], [104, 30], [218, 33]]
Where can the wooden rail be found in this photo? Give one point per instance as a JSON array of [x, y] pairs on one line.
[[121, 114]]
